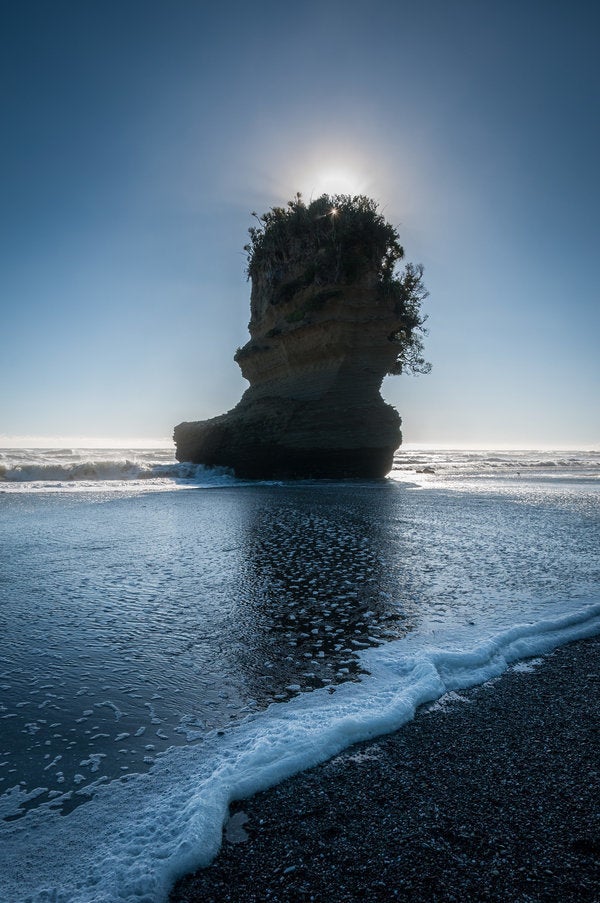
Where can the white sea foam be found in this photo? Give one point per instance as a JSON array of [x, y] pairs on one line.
[[154, 827], [464, 469], [34, 470], [73, 469]]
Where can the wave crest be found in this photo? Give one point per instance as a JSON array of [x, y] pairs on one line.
[[104, 470]]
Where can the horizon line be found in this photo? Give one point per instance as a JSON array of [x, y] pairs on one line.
[[146, 442]]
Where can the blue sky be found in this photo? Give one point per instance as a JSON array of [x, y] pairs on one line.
[[138, 136]]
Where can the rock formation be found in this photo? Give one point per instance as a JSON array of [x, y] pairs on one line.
[[325, 329]]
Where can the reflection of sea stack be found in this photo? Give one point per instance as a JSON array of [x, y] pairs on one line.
[[329, 319]]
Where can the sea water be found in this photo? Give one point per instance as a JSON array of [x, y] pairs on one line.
[[173, 638]]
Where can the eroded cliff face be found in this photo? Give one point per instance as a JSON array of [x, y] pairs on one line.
[[315, 362]]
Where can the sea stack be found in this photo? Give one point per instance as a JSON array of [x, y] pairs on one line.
[[329, 319]]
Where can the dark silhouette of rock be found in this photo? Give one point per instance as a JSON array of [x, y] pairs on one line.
[[321, 341]]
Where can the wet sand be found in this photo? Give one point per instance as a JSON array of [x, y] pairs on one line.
[[492, 795]]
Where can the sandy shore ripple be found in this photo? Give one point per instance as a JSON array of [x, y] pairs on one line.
[[493, 794]]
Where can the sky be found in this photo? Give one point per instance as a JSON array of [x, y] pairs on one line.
[[137, 137]]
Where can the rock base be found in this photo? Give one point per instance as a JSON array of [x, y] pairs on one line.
[[276, 438]]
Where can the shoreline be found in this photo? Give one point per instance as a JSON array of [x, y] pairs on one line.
[[489, 794]]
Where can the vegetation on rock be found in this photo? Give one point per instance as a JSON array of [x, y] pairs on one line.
[[340, 240]]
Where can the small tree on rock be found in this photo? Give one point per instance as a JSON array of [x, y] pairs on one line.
[[340, 240]]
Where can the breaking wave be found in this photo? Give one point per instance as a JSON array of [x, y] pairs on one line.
[[101, 470], [31, 470], [27, 470], [487, 461], [494, 469]]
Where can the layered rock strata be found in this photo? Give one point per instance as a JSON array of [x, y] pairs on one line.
[[315, 363]]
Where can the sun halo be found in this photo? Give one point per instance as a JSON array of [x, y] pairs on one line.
[[336, 180]]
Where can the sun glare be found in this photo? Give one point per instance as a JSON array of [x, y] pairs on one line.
[[336, 180]]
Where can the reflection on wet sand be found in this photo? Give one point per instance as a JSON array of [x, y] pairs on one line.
[[315, 588]]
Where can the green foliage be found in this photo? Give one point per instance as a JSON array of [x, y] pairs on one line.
[[334, 239], [409, 293], [339, 240]]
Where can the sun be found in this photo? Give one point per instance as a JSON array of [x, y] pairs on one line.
[[336, 180], [327, 168]]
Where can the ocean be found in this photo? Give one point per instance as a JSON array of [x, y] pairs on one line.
[[172, 638]]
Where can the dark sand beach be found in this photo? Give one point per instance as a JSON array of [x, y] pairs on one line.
[[494, 795]]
